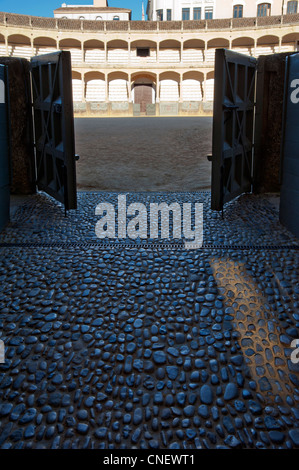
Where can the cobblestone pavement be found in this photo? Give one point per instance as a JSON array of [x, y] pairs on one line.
[[111, 344]]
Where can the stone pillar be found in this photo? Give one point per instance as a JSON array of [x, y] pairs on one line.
[[129, 52], [204, 98], [6, 46], [106, 88], [32, 47], [129, 90], [181, 88], [83, 90], [82, 52], [106, 52]]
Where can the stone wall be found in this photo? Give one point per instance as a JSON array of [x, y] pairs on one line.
[[125, 109], [12, 19]]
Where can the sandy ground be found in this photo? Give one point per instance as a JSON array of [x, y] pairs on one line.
[[144, 154]]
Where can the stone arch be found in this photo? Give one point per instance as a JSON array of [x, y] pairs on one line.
[[143, 88], [268, 44], [69, 43], [193, 51], [169, 51], [117, 44], [118, 86], [117, 51], [74, 47], [19, 39], [143, 50], [95, 86], [44, 45], [169, 86], [214, 44], [19, 45], [192, 86], [243, 44], [94, 51], [290, 42]]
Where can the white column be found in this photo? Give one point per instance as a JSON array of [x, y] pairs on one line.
[[130, 85], [204, 98], [181, 88], [83, 90], [158, 89], [106, 87]]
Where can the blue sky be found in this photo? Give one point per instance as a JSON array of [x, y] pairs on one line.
[[46, 7]]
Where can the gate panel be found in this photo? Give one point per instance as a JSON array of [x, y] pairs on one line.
[[233, 124], [54, 126], [289, 195]]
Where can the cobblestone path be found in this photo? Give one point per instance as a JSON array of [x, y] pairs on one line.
[[111, 344]]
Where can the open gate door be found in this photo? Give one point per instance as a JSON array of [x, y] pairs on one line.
[[289, 195], [54, 126], [233, 126]]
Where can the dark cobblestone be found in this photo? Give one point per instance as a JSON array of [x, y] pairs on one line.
[[148, 347]]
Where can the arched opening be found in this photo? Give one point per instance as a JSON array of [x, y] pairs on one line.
[[169, 86], [192, 86], [244, 45], [74, 47], [117, 51], [143, 89], [214, 44], [169, 51], [143, 51], [95, 87], [94, 52], [118, 87], [290, 42], [267, 45], [44, 45], [193, 51], [19, 46]]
